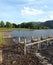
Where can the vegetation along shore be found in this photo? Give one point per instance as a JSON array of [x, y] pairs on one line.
[[27, 25]]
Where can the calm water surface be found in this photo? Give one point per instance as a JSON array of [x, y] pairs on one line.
[[35, 33]]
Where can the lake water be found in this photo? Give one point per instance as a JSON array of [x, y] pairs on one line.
[[35, 33]]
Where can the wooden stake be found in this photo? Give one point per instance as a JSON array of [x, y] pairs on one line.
[[18, 39], [32, 39], [25, 46], [39, 44], [1, 58]]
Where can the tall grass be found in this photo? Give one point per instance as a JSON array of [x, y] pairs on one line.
[[1, 39]]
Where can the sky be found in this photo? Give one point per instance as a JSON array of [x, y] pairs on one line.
[[18, 11]]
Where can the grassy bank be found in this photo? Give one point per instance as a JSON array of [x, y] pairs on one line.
[[2, 30], [10, 29], [1, 39]]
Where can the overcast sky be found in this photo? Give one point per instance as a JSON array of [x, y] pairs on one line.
[[18, 11]]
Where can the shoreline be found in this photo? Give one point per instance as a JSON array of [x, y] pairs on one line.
[[12, 29], [2, 35]]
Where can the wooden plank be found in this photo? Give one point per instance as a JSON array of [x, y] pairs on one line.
[[35, 42], [39, 41]]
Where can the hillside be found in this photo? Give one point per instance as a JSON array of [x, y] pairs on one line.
[[48, 23]]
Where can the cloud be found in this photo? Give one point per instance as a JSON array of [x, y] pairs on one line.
[[31, 0], [45, 6], [51, 16], [26, 11], [48, 16]]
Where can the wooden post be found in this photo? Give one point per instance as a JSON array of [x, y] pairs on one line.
[[41, 38], [25, 46], [32, 39], [39, 44], [18, 39], [1, 56], [47, 43]]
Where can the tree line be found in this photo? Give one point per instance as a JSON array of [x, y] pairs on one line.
[[29, 25], [48, 23]]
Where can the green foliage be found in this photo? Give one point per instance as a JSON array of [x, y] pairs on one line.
[[28, 25], [14, 25], [32, 25], [2, 24], [9, 25], [48, 23]]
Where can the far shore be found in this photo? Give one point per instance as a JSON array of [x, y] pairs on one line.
[[12, 29]]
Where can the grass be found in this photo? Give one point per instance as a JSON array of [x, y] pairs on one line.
[[10, 29], [1, 39]]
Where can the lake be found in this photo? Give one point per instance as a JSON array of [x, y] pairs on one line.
[[35, 33]]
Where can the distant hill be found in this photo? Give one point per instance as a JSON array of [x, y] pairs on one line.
[[48, 23], [28, 25]]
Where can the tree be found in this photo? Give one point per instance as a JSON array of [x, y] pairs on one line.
[[9, 25], [23, 25], [14, 25], [2, 24]]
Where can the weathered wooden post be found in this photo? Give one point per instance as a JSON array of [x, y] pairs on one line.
[[32, 39], [38, 44], [1, 56], [41, 38], [25, 46], [18, 44], [18, 39], [47, 43]]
